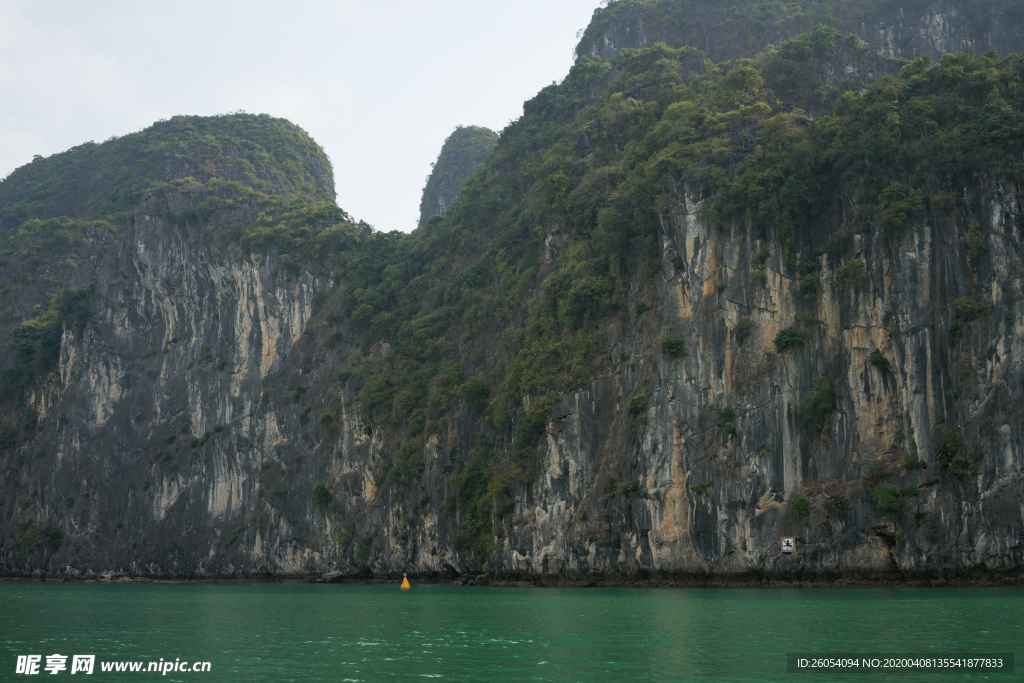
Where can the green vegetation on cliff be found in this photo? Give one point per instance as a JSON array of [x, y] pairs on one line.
[[105, 180], [497, 309], [739, 27], [52, 209], [742, 28], [37, 341], [585, 175], [462, 153], [32, 536], [901, 148]]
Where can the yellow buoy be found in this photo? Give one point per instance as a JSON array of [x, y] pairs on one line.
[[405, 582]]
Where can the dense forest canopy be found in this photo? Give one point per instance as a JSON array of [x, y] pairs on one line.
[[105, 180]]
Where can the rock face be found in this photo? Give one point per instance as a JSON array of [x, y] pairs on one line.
[[185, 344], [727, 31], [208, 417], [180, 343], [710, 495], [462, 154]]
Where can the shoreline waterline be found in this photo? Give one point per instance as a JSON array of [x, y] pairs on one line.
[[972, 578]]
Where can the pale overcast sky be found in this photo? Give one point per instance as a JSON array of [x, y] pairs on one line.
[[379, 85]]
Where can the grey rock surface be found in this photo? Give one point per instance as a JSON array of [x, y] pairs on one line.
[[727, 31], [189, 343]]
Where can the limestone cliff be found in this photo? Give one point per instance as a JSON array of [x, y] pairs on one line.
[[186, 345], [668, 322], [463, 152], [726, 31]]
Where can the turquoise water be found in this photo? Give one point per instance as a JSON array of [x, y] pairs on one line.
[[377, 633]]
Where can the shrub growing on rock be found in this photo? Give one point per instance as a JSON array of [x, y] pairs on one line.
[[966, 309], [948, 445], [814, 408], [808, 283], [788, 338], [637, 407], [673, 347], [879, 361], [322, 498], [958, 467], [801, 506], [837, 243], [887, 501], [629, 490], [911, 462], [876, 473], [742, 330], [724, 421], [976, 244], [344, 537], [36, 535], [836, 507], [854, 273]]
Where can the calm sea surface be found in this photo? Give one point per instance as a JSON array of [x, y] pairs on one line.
[[379, 633]]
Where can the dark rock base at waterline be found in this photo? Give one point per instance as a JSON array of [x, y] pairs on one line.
[[979, 577]]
